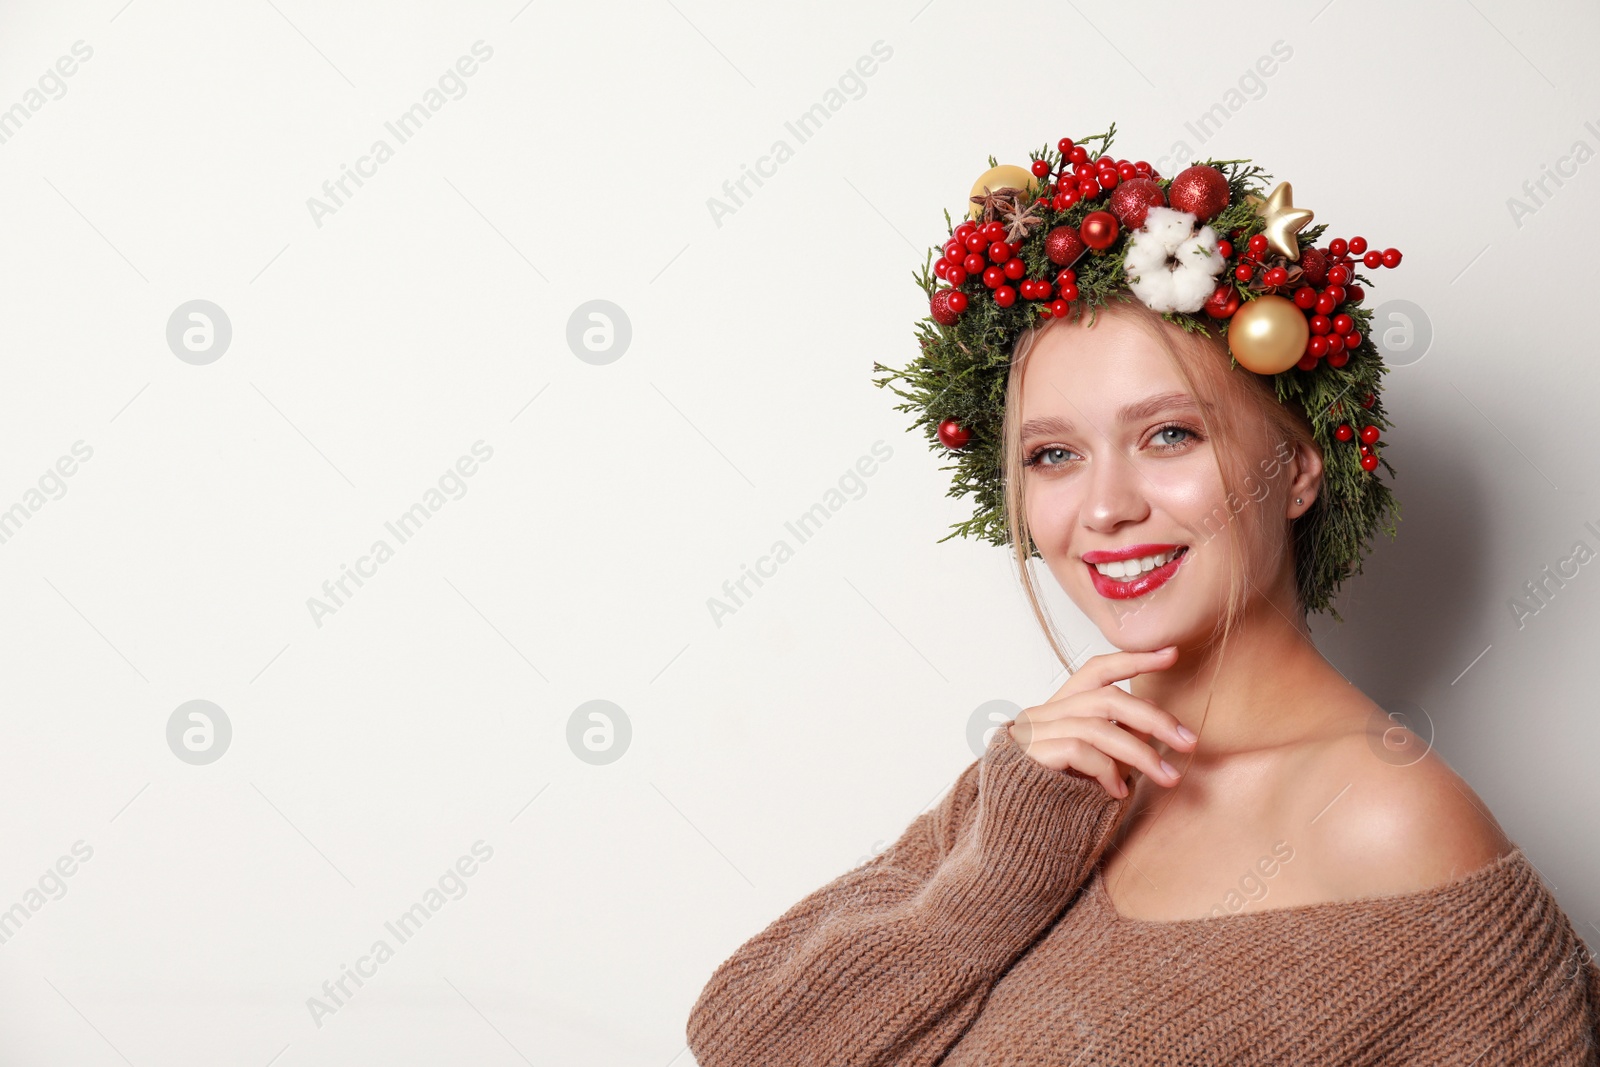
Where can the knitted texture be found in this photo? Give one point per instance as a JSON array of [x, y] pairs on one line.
[[985, 936]]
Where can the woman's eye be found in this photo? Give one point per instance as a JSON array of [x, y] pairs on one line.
[[1049, 457], [1162, 440]]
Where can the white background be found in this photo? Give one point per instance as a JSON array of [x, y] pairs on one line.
[[768, 754]]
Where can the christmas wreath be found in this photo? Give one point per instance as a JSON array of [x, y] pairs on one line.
[[1211, 249]]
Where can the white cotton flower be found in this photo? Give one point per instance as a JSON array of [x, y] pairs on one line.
[[1169, 266]]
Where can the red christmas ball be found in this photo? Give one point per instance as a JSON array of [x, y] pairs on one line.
[[1099, 230], [941, 307], [1133, 198], [1199, 190], [1063, 246], [1314, 265], [953, 435]]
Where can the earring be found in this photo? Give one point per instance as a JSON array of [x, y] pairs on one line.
[[1297, 500]]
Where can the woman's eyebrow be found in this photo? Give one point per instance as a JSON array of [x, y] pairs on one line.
[[1048, 425]]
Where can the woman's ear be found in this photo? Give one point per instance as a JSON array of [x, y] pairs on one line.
[[1305, 478]]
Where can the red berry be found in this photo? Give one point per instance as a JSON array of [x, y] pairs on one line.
[[956, 276], [1142, 168], [1040, 168], [999, 252], [1276, 276], [1343, 431], [1307, 362], [1391, 257], [1338, 247], [1352, 339], [1338, 358], [1317, 346], [1014, 268], [975, 241], [1305, 298], [1041, 290], [1078, 154], [1026, 288], [1243, 272], [1223, 302], [1325, 304], [1225, 249], [953, 435], [1358, 245], [956, 301], [1067, 276], [1369, 434], [1068, 292], [965, 228], [1320, 324], [1338, 275], [1059, 308], [1005, 296], [1258, 244], [993, 276], [1064, 145], [1369, 463], [1088, 188], [973, 264], [1373, 259], [1368, 400], [942, 268], [954, 250], [992, 231], [1343, 324], [1354, 294]]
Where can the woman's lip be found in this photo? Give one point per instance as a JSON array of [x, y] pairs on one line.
[[1130, 552], [1113, 589]]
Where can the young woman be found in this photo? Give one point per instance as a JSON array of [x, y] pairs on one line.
[[1242, 860]]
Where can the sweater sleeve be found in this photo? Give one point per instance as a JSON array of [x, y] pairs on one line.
[[889, 963]]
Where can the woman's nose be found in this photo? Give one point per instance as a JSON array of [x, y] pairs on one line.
[[1116, 493]]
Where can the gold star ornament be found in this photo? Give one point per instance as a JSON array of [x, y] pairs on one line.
[[1283, 219]]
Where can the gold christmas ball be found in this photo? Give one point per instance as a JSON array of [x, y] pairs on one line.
[[996, 178], [1268, 334]]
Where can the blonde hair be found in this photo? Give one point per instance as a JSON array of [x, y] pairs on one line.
[[1239, 412]]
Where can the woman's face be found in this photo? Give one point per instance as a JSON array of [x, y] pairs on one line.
[[1116, 459]]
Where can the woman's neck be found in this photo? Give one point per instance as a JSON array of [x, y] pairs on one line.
[[1269, 687]]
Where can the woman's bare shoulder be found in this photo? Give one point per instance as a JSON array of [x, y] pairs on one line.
[[1386, 814]]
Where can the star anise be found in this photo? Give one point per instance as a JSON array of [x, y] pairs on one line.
[[994, 202], [1018, 221]]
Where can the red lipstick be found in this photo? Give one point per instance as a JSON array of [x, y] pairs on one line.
[[1116, 589]]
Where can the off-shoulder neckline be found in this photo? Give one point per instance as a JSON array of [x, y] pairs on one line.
[[1496, 867]]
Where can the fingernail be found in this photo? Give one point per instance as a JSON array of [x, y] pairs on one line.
[[1186, 733], [1171, 771]]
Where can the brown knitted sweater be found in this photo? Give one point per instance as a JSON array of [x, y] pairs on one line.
[[984, 936]]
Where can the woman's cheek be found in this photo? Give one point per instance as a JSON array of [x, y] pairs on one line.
[[1051, 512]]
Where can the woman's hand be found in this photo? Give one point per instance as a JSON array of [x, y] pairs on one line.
[[1093, 729]]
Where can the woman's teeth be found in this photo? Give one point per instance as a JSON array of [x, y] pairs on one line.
[[1127, 569]]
